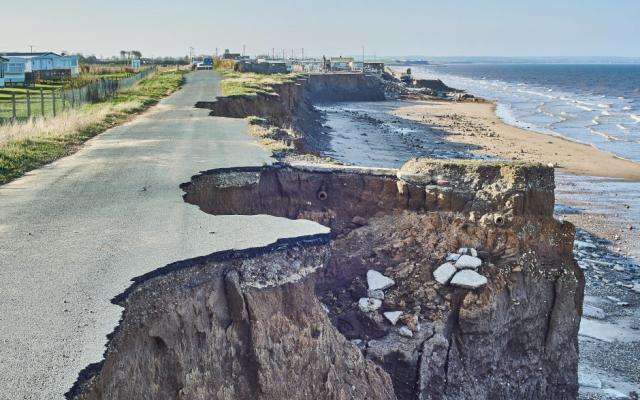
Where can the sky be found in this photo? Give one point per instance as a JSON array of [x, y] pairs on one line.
[[509, 28]]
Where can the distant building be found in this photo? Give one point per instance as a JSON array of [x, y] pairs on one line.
[[135, 63], [374, 67], [262, 66], [31, 67], [308, 65], [3, 67], [231, 56], [341, 63], [68, 62]]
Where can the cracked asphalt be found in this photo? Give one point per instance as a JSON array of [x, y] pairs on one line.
[[73, 234]]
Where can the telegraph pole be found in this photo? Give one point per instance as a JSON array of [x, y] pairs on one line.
[[363, 59], [31, 47]]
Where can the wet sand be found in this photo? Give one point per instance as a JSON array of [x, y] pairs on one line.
[[475, 123]]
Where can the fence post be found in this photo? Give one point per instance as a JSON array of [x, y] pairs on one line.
[[13, 106], [62, 96], [73, 97], [28, 104], [42, 101], [53, 101]]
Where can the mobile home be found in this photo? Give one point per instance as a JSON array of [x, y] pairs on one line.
[[3, 67], [14, 71]]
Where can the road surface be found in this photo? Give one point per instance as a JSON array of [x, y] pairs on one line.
[[74, 233]]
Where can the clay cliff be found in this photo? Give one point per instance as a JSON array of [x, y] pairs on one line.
[[441, 280]]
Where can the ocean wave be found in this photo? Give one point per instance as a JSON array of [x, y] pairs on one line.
[[584, 107], [622, 127], [635, 117], [604, 135]]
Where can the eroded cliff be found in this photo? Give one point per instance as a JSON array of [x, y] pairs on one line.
[[289, 321], [289, 105]]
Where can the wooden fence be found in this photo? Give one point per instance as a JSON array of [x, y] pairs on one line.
[[27, 103]]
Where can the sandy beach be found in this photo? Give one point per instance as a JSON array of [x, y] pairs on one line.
[[475, 123]]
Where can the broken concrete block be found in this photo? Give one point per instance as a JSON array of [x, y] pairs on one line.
[[367, 304], [453, 257], [377, 281], [376, 294], [444, 273], [468, 279], [393, 316], [465, 262]]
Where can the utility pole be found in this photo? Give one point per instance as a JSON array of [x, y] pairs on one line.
[[273, 53], [363, 59], [244, 49], [303, 53], [31, 48]]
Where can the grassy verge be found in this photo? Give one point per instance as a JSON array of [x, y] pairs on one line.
[[29, 145], [279, 141], [246, 83]]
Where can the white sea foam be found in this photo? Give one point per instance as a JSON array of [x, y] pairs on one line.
[[635, 117], [584, 107], [604, 134]]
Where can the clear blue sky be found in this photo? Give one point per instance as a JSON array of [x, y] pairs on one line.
[[392, 27]]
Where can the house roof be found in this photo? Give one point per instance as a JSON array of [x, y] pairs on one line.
[[28, 55], [2, 59]]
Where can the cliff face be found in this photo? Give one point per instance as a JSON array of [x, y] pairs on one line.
[[515, 337], [289, 321], [290, 105], [234, 325]]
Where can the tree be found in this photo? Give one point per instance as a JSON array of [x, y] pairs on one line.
[[122, 54], [136, 54]]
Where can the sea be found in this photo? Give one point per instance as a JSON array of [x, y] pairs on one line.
[[596, 103]]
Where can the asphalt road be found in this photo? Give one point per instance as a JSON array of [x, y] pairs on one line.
[[74, 233]]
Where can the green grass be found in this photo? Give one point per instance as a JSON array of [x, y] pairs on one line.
[[250, 84], [24, 147]]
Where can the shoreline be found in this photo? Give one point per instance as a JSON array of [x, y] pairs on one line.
[[477, 124]]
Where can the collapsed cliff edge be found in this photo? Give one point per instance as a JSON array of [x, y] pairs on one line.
[[441, 280]]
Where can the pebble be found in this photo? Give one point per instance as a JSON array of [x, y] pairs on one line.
[[393, 316], [367, 305], [444, 273], [614, 299], [466, 261], [376, 294], [468, 279], [406, 332], [636, 287], [377, 281], [618, 268]]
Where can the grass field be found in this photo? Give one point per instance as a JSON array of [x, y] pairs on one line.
[[25, 146]]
